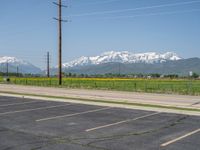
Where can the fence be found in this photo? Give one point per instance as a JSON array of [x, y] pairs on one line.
[[186, 87]]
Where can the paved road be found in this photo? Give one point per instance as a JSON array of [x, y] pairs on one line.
[[162, 99], [28, 124]]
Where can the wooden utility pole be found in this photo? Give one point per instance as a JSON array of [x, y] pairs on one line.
[[48, 66], [60, 42], [17, 71], [7, 68], [119, 69], [59, 19]]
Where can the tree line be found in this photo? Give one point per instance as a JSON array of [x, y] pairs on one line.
[[107, 75]]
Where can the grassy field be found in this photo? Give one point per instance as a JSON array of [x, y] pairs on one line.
[[177, 86]]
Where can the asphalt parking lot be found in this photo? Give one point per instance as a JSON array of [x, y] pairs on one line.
[[28, 124]]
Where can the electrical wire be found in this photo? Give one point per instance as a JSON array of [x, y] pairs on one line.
[[134, 9]]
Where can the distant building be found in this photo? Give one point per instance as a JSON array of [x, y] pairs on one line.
[[149, 77], [162, 76], [190, 73]]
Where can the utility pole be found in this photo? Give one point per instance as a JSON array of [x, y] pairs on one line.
[[60, 42], [59, 19], [119, 69], [17, 71], [48, 66], [7, 68]]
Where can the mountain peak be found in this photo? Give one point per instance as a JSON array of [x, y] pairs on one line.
[[12, 60], [24, 66], [123, 57]]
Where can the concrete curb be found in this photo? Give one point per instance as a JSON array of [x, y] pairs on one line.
[[107, 103]]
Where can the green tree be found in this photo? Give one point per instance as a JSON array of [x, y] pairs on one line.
[[195, 75]]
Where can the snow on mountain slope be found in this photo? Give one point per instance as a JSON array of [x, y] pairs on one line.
[[123, 57], [13, 62]]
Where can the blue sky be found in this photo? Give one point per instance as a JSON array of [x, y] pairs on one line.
[[28, 31]]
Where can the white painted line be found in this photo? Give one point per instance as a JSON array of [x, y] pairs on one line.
[[120, 122], [27, 110], [180, 138], [13, 104], [75, 114]]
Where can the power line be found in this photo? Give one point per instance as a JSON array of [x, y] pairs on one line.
[[134, 9], [154, 14]]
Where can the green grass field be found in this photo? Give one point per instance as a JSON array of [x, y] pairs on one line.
[[176, 86]]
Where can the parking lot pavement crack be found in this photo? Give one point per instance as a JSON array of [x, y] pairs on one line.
[[21, 145], [3, 130], [90, 146], [61, 140], [195, 103], [120, 136], [43, 142], [48, 141], [8, 148], [54, 141], [37, 148]]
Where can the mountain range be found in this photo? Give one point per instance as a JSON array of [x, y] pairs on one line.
[[124, 57], [13, 63], [126, 62], [115, 62]]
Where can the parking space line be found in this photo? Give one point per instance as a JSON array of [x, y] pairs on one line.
[[120, 122], [13, 104], [180, 138], [75, 114], [27, 110]]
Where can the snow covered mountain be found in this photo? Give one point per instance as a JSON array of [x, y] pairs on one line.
[[123, 57], [13, 63]]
